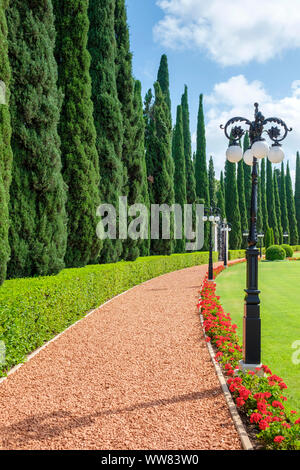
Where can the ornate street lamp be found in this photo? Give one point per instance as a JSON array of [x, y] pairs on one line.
[[225, 228], [258, 149], [212, 215], [261, 237], [286, 237]]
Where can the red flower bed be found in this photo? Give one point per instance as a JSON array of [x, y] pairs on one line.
[[260, 397]]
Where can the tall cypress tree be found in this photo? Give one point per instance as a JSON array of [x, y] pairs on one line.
[[141, 183], [277, 209], [291, 208], [162, 164], [149, 145], [241, 193], [179, 173], [247, 176], [77, 131], [5, 148], [259, 223], [221, 196], [107, 112], [37, 198], [232, 206], [189, 167], [212, 183], [271, 202], [164, 81], [202, 189], [283, 204], [297, 192], [125, 88], [264, 209]]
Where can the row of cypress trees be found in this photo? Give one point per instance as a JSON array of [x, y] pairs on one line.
[[73, 121], [74, 132]]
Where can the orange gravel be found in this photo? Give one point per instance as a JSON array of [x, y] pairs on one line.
[[135, 374]]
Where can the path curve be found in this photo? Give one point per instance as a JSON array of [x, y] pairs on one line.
[[135, 374]]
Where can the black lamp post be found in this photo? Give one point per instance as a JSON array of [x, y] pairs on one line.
[[225, 228], [261, 237], [212, 215], [258, 149], [286, 237]]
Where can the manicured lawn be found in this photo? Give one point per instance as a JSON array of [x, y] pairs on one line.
[[280, 313]]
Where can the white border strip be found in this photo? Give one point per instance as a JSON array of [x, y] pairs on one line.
[[246, 443]]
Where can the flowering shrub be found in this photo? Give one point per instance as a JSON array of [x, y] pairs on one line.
[[260, 397]]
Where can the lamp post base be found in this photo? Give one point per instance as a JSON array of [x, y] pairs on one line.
[[251, 367]]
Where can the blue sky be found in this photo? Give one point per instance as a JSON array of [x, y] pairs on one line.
[[233, 52]]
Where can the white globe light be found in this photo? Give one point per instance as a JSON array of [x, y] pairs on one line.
[[248, 157], [276, 154], [211, 218], [234, 153], [260, 149], [204, 218], [217, 219]]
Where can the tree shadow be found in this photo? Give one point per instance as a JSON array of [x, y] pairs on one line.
[[41, 427]]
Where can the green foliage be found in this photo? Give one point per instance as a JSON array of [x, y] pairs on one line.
[[221, 196], [247, 175], [297, 192], [232, 206], [212, 183], [107, 111], [162, 164], [189, 167], [242, 198], [271, 202], [264, 210], [283, 204], [275, 252], [277, 208], [38, 231], [269, 237], [290, 201], [202, 189], [236, 254], [132, 160], [78, 136], [33, 311], [288, 250], [179, 174], [163, 80], [5, 147]]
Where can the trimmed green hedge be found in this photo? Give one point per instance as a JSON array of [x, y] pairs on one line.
[[236, 254], [288, 250], [275, 253], [34, 310]]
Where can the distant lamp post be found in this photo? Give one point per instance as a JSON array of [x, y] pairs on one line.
[[258, 149], [261, 237], [225, 228], [286, 237], [2, 92], [212, 215]]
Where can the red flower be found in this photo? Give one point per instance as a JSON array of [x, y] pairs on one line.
[[297, 421], [279, 439], [240, 401], [255, 418], [263, 424], [277, 404]]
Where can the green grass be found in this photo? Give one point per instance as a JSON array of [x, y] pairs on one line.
[[279, 283]]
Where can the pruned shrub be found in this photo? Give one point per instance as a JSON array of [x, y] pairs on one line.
[[288, 250], [275, 252]]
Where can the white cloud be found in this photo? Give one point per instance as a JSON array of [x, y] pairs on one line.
[[236, 97], [233, 32]]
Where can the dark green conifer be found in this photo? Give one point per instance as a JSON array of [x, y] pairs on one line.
[[163, 80], [212, 183], [5, 147], [232, 206], [271, 202], [291, 208], [189, 167], [278, 210], [38, 232], [283, 204], [264, 210], [80, 159], [179, 174], [221, 197], [242, 201], [107, 112], [247, 176], [297, 193]]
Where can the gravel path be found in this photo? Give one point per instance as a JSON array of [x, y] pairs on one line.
[[135, 374]]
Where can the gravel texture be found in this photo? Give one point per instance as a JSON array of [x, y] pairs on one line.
[[135, 374]]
